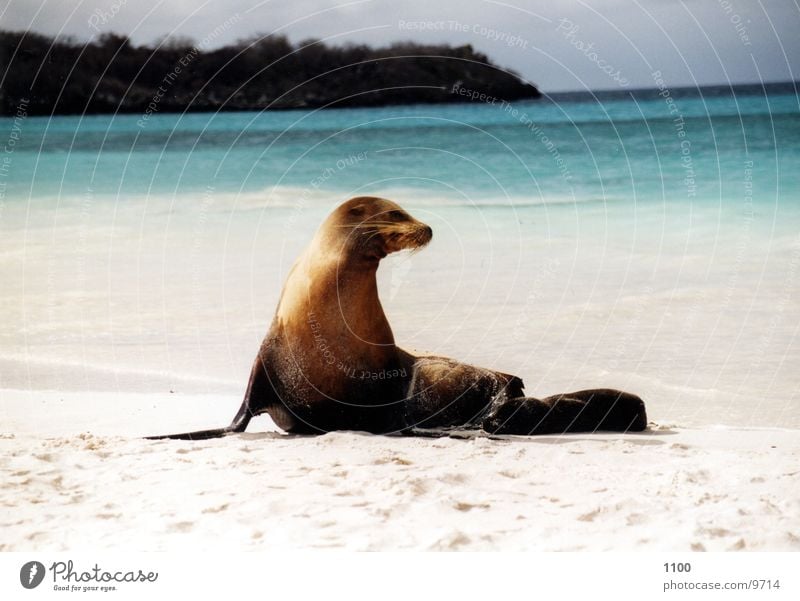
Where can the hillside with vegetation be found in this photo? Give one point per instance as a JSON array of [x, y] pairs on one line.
[[110, 74]]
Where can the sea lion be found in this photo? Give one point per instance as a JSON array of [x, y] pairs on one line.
[[329, 360]]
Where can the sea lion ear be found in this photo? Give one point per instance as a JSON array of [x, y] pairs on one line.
[[356, 211]]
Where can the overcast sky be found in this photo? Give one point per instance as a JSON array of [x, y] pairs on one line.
[[557, 44]]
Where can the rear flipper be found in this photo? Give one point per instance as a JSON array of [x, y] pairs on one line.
[[582, 411], [444, 393]]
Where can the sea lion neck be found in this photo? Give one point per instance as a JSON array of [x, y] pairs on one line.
[[349, 288], [341, 292]]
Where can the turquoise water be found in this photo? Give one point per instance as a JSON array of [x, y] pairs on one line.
[[691, 145]]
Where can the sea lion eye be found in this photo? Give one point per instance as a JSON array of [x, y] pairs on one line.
[[356, 211], [398, 215]]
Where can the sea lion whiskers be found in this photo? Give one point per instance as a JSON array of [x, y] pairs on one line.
[[394, 235], [414, 235], [363, 224]]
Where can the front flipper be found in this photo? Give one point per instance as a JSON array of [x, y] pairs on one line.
[[259, 398], [239, 424], [582, 411]]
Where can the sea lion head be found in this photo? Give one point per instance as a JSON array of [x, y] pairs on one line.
[[374, 227]]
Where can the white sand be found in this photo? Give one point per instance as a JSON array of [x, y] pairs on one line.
[[77, 477]]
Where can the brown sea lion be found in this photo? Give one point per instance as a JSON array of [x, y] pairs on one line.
[[329, 361]]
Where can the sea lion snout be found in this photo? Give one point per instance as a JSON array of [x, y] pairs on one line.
[[408, 234], [427, 233]]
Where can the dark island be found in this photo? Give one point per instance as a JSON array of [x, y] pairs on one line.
[[109, 74]]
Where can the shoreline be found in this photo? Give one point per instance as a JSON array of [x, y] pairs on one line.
[[559, 96]]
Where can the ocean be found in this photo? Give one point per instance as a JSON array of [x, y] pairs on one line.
[[644, 240]]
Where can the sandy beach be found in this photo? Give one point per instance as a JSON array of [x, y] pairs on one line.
[[77, 476]]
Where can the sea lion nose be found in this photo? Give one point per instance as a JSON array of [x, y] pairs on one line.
[[428, 232]]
